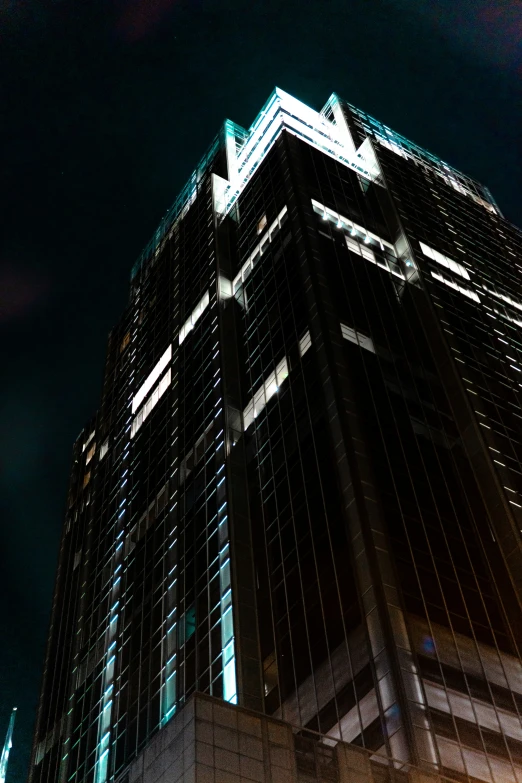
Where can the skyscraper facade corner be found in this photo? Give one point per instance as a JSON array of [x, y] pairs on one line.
[[294, 523], [8, 744]]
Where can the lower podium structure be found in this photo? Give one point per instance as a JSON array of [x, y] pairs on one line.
[[210, 741]]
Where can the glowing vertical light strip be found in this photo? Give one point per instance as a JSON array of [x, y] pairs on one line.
[[106, 705], [8, 744], [170, 646], [230, 145], [227, 617], [168, 696], [101, 773]]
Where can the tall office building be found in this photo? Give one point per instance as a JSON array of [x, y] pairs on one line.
[[302, 494]]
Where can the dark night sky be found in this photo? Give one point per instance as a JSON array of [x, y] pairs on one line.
[[105, 109]]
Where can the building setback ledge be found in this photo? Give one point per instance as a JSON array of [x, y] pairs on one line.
[[211, 741]]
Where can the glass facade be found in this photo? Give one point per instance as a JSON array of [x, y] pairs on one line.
[[300, 493]]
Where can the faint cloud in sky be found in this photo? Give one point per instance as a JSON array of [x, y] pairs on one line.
[[20, 16], [20, 290], [138, 18], [502, 25], [489, 29]]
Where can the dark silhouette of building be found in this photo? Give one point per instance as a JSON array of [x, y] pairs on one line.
[[301, 494]]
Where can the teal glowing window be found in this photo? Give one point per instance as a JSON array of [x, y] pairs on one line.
[[187, 625]]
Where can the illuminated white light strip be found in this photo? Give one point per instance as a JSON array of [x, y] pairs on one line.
[[360, 339], [265, 393], [153, 400], [507, 318], [456, 287], [444, 261], [91, 436], [348, 225], [360, 240], [258, 250], [305, 343], [284, 112], [362, 250], [369, 255], [504, 298], [194, 316], [392, 146], [151, 379]]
